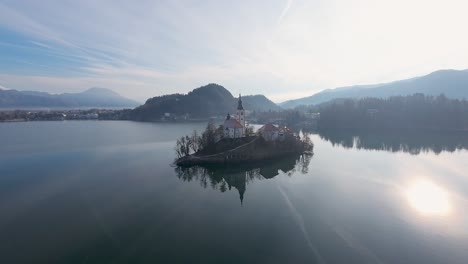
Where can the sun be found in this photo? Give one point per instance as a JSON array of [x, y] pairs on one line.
[[428, 198]]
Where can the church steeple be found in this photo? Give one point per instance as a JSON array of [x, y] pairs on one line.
[[239, 105], [240, 115]]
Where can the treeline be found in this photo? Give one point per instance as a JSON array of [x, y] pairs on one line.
[[283, 117], [399, 112]]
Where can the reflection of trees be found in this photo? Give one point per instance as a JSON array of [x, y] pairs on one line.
[[223, 178], [399, 141]]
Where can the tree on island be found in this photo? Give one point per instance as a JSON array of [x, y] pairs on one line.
[[194, 143]]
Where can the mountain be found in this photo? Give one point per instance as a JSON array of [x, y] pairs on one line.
[[100, 97], [259, 102], [17, 99], [452, 83], [203, 102], [93, 97]]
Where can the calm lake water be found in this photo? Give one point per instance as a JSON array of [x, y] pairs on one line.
[[106, 192]]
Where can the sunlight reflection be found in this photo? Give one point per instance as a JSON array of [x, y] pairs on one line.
[[428, 198]]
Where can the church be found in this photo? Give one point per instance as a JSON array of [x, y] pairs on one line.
[[235, 127]]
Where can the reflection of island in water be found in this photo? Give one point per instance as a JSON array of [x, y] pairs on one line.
[[399, 141], [223, 178]]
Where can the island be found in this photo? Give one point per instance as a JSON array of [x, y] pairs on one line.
[[233, 142]]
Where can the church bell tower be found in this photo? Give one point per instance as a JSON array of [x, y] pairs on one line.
[[241, 114]]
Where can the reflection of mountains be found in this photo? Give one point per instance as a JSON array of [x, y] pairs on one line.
[[398, 141], [223, 178]]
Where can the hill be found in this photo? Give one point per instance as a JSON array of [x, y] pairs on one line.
[[416, 112], [94, 97], [451, 83], [259, 103], [203, 102]]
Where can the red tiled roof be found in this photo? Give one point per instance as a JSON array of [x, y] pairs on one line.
[[232, 123], [269, 127]]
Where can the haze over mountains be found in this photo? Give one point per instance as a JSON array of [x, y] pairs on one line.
[[214, 99], [93, 97], [452, 83]]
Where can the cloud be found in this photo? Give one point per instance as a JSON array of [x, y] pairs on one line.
[[42, 45], [279, 48], [285, 10]]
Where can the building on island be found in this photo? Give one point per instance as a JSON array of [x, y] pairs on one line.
[[235, 127], [232, 128], [269, 132], [240, 115]]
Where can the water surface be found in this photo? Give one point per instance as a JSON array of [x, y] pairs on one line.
[[106, 192]]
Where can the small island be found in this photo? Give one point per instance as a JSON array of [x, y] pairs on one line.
[[233, 142]]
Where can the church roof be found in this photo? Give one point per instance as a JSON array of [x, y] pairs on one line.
[[269, 128], [232, 123]]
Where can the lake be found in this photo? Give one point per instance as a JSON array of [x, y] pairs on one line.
[[107, 192]]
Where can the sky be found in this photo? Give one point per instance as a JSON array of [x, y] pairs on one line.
[[284, 49]]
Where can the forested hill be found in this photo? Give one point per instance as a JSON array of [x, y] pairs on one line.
[[414, 112], [259, 102], [452, 83], [203, 102]]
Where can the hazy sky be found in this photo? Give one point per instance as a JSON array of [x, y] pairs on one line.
[[281, 48]]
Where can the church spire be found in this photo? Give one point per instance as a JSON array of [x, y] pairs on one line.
[[239, 105]]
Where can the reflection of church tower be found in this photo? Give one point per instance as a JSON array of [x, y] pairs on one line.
[[237, 180], [241, 114], [241, 189], [239, 176]]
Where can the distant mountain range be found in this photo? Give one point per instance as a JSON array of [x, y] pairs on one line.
[[215, 100], [452, 83], [206, 101], [94, 97]]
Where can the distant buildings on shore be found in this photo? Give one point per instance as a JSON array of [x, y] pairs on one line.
[[60, 115]]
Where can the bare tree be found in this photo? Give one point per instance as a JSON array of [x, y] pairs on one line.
[[195, 141], [182, 147], [179, 148]]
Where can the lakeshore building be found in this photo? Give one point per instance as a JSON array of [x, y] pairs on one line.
[[235, 127]]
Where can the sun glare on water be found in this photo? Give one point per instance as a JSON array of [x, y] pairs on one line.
[[428, 198]]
